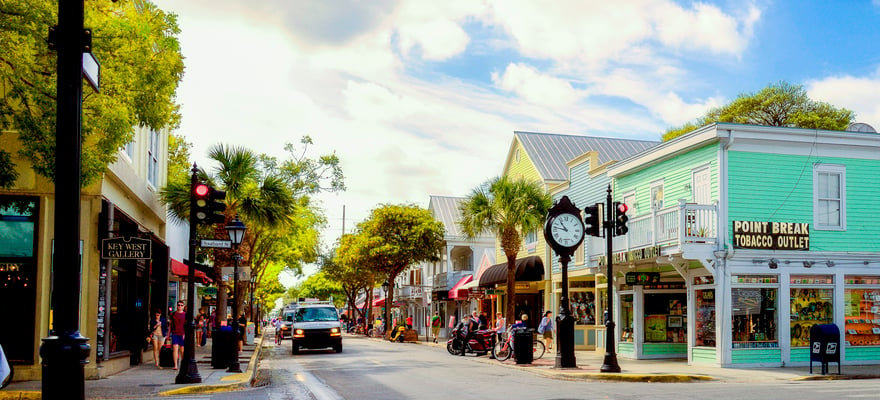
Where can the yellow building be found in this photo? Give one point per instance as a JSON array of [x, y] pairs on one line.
[[118, 289]]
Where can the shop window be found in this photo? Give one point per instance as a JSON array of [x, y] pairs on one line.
[[755, 323], [626, 318], [705, 323], [809, 306], [665, 318], [829, 197], [862, 311]]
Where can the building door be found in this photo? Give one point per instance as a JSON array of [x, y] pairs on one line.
[[18, 271], [702, 186]]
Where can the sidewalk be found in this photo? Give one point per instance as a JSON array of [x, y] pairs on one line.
[[589, 362], [146, 381]]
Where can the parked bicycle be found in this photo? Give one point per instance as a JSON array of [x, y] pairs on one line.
[[504, 349]]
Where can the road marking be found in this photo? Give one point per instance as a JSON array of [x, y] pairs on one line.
[[319, 389]]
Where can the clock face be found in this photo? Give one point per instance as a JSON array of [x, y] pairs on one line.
[[567, 230]]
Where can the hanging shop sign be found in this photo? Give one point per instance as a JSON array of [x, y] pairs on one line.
[[126, 248], [771, 235], [642, 278], [633, 255], [206, 291]]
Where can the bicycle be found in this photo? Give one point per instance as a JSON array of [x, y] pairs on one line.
[[504, 349], [279, 337]]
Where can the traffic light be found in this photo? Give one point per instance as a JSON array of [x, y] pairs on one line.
[[206, 205], [593, 220], [620, 218]]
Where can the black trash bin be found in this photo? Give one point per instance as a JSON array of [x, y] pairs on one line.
[[825, 346], [221, 342], [523, 348]]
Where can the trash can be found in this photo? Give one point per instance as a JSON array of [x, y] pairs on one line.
[[221, 342], [249, 333], [825, 346], [523, 349]]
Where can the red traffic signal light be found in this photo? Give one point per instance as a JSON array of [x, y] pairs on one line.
[[206, 206], [620, 218]]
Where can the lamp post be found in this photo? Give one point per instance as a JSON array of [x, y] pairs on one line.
[[189, 371], [235, 230], [385, 286]]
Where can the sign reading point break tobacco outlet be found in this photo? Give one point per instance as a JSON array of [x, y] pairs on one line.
[[771, 235]]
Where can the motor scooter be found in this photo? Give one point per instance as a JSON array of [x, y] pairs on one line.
[[481, 342]]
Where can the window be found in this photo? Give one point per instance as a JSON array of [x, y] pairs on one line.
[[129, 150], [531, 241], [829, 197], [657, 196], [153, 159]]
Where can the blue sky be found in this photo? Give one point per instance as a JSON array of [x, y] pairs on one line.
[[421, 98]]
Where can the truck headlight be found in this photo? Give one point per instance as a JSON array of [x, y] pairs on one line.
[[299, 333], [334, 332]]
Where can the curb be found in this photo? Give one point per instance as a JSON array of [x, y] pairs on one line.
[[238, 381], [21, 395]]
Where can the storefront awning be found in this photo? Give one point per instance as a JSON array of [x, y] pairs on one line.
[[182, 270], [527, 269], [457, 292], [380, 302]]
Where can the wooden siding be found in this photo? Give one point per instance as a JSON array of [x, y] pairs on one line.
[[704, 355], [516, 170], [675, 173], [666, 349], [799, 355], [786, 195], [583, 191], [753, 356], [863, 354], [626, 348]]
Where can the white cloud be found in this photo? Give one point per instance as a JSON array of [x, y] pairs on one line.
[[535, 87], [438, 39], [860, 94]]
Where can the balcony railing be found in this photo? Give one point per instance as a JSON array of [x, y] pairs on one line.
[[681, 224]]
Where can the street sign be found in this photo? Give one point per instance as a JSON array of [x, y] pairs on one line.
[[207, 290], [216, 244]]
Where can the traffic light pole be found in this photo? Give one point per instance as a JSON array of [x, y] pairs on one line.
[[189, 371], [64, 352], [609, 363]]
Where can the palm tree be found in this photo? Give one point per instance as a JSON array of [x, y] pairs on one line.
[[263, 201], [510, 208]]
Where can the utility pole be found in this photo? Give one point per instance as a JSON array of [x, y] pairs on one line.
[[64, 352]]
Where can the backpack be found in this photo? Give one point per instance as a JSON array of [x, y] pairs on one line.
[[543, 326]]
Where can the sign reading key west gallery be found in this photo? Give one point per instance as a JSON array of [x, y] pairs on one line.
[[771, 235], [126, 248]]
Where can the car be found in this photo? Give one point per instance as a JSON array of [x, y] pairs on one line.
[[286, 323], [315, 325]]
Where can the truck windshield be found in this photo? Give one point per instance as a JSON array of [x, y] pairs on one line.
[[316, 314]]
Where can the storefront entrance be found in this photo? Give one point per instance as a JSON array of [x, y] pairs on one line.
[[653, 321], [18, 271]]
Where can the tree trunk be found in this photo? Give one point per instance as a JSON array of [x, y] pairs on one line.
[[389, 300], [510, 313], [369, 305], [222, 298]]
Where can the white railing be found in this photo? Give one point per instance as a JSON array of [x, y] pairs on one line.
[[680, 224]]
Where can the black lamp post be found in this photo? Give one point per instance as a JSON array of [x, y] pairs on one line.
[[385, 286], [236, 230]]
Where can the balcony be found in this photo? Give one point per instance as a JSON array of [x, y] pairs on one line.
[[445, 280], [690, 229]]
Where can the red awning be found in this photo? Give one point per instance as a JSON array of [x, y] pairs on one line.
[[379, 302], [182, 270], [457, 293]]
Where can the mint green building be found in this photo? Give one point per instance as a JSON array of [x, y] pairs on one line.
[[743, 238]]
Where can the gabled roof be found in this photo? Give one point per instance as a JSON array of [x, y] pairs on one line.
[[550, 152], [445, 210]]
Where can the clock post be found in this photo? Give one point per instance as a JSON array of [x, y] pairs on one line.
[[564, 231]]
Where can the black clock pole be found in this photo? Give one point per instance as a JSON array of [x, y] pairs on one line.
[[609, 363], [565, 357]]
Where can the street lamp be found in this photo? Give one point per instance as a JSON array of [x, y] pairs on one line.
[[235, 230], [385, 286]]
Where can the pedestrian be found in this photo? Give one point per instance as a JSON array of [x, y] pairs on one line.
[[158, 332], [500, 326], [242, 324], [546, 329], [435, 326], [472, 324], [409, 322], [484, 321], [212, 321], [200, 325], [178, 321]]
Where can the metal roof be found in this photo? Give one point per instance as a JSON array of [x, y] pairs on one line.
[[550, 152], [445, 210]]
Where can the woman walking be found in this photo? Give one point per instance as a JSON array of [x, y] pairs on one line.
[[546, 329], [158, 331]]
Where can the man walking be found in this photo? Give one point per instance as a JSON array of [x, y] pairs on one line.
[[178, 321], [435, 325]]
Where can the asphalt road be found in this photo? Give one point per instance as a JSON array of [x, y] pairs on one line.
[[372, 369]]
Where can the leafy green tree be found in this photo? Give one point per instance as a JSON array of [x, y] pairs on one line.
[[780, 104], [141, 66], [396, 236], [508, 208], [319, 286], [179, 163], [344, 266]]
